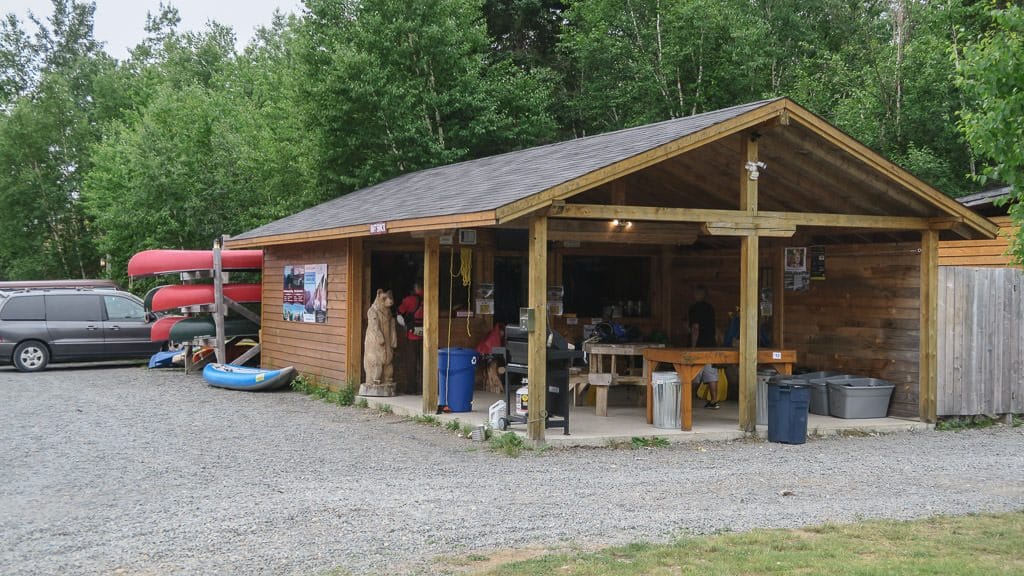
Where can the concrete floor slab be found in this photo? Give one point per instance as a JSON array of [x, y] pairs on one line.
[[624, 423]]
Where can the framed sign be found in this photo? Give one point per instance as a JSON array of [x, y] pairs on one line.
[[305, 293]]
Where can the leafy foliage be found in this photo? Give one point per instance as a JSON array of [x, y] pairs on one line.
[[188, 139], [992, 77]]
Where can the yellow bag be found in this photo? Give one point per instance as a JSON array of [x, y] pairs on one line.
[[722, 390]]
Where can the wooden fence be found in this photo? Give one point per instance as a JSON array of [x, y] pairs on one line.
[[981, 341]]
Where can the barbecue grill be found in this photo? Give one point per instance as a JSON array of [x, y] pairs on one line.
[[559, 360]]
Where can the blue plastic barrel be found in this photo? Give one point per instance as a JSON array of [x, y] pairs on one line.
[[456, 369], [788, 401]]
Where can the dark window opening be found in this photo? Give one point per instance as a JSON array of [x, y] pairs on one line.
[[607, 285]]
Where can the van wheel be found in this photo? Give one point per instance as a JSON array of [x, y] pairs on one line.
[[31, 356]]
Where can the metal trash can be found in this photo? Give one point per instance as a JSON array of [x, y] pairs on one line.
[[667, 391], [763, 376], [788, 400]]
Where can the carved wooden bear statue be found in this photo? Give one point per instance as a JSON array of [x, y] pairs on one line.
[[379, 346]]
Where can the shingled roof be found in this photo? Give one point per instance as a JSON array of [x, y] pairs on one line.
[[492, 182]]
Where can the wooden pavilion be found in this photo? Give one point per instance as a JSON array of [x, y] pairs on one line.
[[710, 199]]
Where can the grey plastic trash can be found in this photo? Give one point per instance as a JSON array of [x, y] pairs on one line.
[[667, 392], [787, 410]]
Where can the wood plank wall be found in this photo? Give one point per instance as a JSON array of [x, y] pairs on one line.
[[863, 319], [314, 349], [979, 252], [981, 341]]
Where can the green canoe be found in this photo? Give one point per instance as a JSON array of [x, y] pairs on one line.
[[203, 327]]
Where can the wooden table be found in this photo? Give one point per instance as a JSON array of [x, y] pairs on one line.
[[689, 361], [601, 380]]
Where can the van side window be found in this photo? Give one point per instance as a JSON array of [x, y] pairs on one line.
[[23, 308], [119, 308], [73, 308]]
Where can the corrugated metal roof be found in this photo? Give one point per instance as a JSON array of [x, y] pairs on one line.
[[492, 182]]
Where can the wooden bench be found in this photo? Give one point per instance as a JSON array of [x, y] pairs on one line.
[[602, 379]]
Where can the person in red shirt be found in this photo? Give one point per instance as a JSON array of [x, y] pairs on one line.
[[410, 316]]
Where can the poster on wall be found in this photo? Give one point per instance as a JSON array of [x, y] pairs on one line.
[[796, 278], [816, 256], [305, 293]]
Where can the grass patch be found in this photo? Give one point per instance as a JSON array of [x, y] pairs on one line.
[[652, 442], [452, 425], [385, 409], [956, 424], [362, 403], [428, 419], [965, 545], [509, 444]]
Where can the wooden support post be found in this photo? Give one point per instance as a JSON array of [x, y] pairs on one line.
[[748, 332], [778, 299], [665, 304], [218, 301], [431, 307], [749, 246], [537, 357], [356, 300], [928, 364]]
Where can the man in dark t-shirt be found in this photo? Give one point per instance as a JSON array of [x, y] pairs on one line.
[[702, 335]]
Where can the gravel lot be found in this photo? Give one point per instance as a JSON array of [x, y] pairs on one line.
[[119, 470]]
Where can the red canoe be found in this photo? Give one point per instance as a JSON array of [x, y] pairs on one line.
[[161, 329], [153, 262], [182, 295]]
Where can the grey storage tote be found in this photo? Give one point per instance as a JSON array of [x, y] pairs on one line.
[[859, 397], [819, 389]]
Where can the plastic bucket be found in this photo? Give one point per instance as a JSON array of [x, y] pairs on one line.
[[456, 368], [667, 391], [788, 401]]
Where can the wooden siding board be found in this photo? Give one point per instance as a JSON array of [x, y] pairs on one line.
[[317, 349], [982, 325]]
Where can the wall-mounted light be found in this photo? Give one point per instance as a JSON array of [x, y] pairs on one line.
[[753, 168], [621, 224]]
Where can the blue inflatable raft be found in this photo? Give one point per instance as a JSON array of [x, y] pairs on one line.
[[235, 377], [167, 359]]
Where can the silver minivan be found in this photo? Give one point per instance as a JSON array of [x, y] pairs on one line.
[[40, 326]]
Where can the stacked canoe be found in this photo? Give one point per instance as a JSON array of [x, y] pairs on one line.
[[179, 328]]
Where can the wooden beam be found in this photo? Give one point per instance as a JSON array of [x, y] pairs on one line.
[[640, 161], [537, 356], [431, 309], [452, 221], [763, 218], [928, 364], [218, 301], [354, 318], [668, 233], [769, 228], [749, 297], [748, 183]]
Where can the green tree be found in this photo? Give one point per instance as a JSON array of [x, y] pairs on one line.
[[992, 76], [50, 122], [214, 144], [396, 86]]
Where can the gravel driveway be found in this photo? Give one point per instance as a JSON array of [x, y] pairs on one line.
[[116, 470]]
